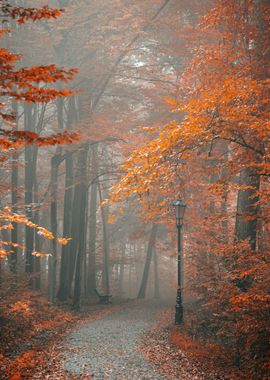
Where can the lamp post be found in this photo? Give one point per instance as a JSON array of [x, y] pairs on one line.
[[180, 208]]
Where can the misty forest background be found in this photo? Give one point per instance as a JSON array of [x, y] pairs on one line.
[[154, 101]]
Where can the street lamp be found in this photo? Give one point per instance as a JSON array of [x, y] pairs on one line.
[[180, 208]]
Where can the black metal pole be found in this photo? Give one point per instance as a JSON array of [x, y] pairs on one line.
[[179, 305]]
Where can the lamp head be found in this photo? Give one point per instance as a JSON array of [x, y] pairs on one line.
[[180, 209]]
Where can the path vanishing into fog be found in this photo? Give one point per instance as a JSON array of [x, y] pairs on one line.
[[107, 348]]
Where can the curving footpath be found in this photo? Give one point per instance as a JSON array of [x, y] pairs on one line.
[[106, 348]]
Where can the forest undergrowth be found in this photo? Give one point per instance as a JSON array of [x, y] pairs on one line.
[[178, 354], [32, 332]]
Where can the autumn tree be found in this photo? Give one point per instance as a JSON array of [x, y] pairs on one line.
[[218, 147], [28, 86]]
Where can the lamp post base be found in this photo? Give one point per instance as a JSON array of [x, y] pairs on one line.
[[179, 308]]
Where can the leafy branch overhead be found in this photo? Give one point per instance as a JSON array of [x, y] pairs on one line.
[[7, 217], [32, 84]]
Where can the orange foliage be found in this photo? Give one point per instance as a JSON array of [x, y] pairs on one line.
[[210, 355], [21, 14], [227, 99], [7, 216], [26, 318], [28, 84], [222, 126]]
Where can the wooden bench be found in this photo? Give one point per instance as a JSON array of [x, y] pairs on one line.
[[103, 299]]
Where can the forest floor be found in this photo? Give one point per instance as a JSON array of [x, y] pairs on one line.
[[125, 341]]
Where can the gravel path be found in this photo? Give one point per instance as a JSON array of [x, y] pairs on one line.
[[106, 349]]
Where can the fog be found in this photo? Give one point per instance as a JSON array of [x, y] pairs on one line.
[[129, 58]]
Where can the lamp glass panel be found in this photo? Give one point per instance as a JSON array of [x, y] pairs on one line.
[[178, 212], [182, 210]]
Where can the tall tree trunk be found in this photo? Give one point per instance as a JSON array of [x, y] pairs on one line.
[[29, 233], [38, 242], [63, 291], [82, 206], [75, 228], [93, 225], [247, 202], [55, 161], [247, 207], [14, 199], [65, 255], [122, 267], [156, 277], [148, 259], [106, 259]]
